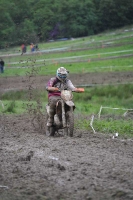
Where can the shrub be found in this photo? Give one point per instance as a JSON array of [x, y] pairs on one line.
[[10, 107]]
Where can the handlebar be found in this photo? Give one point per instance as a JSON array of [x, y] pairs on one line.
[[55, 89]]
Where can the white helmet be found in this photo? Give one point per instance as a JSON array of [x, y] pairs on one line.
[[62, 73]]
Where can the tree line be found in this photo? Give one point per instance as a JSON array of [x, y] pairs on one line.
[[41, 20]]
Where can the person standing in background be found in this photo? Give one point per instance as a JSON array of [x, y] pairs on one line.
[[22, 48], [32, 47], [36, 47], [2, 63]]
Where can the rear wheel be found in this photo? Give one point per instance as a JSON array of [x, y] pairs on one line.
[[70, 123]]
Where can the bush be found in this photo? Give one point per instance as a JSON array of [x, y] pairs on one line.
[[10, 108]]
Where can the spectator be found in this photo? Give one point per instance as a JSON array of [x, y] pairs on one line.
[[32, 47], [22, 48], [36, 47], [2, 66]]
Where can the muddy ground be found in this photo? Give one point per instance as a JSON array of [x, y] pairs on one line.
[[18, 83], [86, 167]]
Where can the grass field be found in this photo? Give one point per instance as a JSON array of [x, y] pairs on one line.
[[117, 64], [103, 52]]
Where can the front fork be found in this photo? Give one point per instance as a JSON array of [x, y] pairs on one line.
[[63, 114]]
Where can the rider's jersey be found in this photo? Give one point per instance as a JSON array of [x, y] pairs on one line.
[[55, 82]]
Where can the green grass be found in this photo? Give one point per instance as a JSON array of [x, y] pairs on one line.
[[108, 126], [111, 120], [12, 107], [119, 64], [121, 126], [33, 58], [18, 107]]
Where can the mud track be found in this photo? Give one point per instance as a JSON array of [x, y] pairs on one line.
[[21, 83], [86, 167]]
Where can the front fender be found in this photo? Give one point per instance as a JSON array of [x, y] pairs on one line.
[[70, 103]]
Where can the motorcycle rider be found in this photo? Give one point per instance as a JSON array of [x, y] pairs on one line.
[[60, 81]]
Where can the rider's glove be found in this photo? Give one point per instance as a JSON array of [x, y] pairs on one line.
[[53, 89], [79, 90]]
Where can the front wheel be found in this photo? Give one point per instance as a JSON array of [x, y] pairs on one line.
[[70, 123]]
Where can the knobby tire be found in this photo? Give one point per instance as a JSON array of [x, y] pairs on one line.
[[70, 123]]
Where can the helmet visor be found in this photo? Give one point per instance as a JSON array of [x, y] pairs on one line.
[[62, 76]]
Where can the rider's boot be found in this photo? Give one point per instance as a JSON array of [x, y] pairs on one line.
[[47, 131], [50, 121]]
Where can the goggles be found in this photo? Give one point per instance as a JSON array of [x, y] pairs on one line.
[[62, 76]]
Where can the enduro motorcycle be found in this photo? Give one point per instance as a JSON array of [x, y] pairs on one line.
[[64, 113]]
